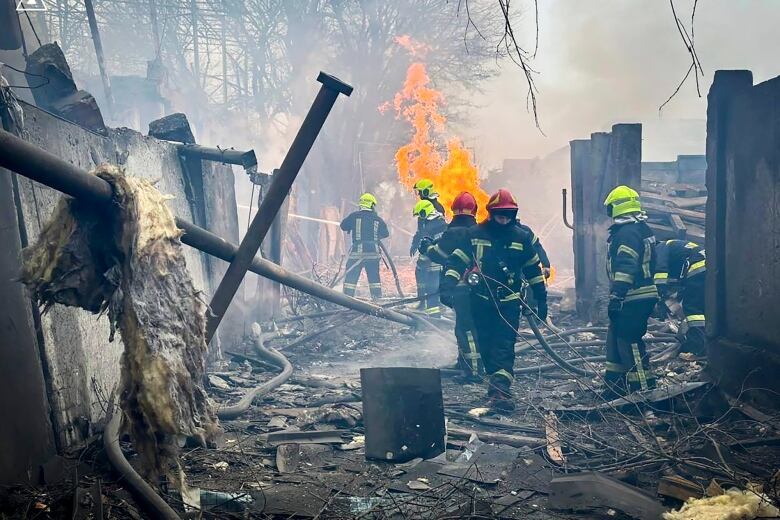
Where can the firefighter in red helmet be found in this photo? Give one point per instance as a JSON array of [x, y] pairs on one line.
[[494, 259], [464, 210]]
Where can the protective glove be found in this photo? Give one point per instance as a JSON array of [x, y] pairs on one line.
[[425, 243], [541, 310], [614, 307], [546, 272]]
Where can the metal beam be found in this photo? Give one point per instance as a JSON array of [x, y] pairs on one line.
[[37, 164], [246, 159], [274, 198]]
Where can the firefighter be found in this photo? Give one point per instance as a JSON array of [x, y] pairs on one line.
[[464, 210], [539, 248], [424, 189], [430, 225], [681, 268], [494, 259], [367, 229], [632, 296]]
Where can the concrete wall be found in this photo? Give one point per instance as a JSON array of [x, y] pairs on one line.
[[743, 235], [597, 166], [82, 366]]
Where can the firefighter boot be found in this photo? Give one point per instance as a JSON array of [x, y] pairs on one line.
[[499, 395], [616, 386]]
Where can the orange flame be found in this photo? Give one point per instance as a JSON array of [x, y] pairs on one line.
[[418, 103]]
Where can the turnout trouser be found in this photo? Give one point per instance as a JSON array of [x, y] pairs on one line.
[[355, 265], [426, 274], [496, 324], [628, 365], [469, 357], [692, 296]]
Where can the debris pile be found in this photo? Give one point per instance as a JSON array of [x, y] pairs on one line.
[[129, 263]]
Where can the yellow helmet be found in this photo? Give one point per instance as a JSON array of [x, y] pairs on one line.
[[622, 200], [367, 201], [424, 209], [424, 187]]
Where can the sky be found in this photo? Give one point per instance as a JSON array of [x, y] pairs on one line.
[[602, 62]]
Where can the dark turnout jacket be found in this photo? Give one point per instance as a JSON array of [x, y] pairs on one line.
[[631, 259], [456, 231], [543, 258], [677, 259], [432, 229], [504, 255], [367, 229]]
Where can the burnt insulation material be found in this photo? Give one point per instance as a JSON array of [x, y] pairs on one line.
[[128, 260]]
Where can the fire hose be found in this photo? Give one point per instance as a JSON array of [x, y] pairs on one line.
[[267, 354]]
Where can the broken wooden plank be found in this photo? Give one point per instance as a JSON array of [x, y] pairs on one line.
[[696, 216], [591, 490], [554, 450], [517, 441], [678, 226], [310, 437], [678, 487]]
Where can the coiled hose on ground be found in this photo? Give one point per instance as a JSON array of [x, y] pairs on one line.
[[268, 354]]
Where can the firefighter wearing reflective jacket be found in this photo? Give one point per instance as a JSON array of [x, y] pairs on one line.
[[430, 225], [367, 229], [494, 260], [681, 267], [424, 189], [632, 297], [539, 248], [464, 210]]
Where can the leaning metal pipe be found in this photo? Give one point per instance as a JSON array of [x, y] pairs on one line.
[[153, 503], [554, 355], [37, 164], [271, 355], [566, 210], [274, 199]]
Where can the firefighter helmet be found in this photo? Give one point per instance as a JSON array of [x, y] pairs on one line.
[[502, 199], [424, 188], [622, 200], [464, 203], [425, 210], [367, 201]]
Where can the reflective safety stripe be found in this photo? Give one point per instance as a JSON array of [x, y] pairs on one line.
[[375, 285], [480, 246], [376, 230], [648, 256], [358, 230], [536, 279], [691, 245], [503, 373], [696, 320], [472, 354], [661, 278], [453, 273], [616, 367], [623, 277], [462, 256], [433, 310], [639, 367], [533, 261], [516, 245], [643, 293], [435, 268], [697, 268], [511, 297], [438, 250], [627, 250]]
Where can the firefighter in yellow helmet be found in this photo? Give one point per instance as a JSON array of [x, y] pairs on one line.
[[367, 229], [632, 293], [425, 190], [430, 227]]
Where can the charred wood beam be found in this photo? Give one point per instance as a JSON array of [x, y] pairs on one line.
[[44, 167], [274, 199]]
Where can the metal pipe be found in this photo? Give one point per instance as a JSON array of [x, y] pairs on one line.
[[274, 198], [566, 210], [246, 159], [37, 164], [93, 27]]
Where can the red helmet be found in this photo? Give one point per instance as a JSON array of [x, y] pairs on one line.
[[502, 199], [464, 202]]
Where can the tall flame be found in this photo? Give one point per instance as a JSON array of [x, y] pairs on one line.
[[418, 103]]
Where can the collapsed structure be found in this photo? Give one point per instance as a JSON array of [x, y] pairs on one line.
[[339, 447]]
